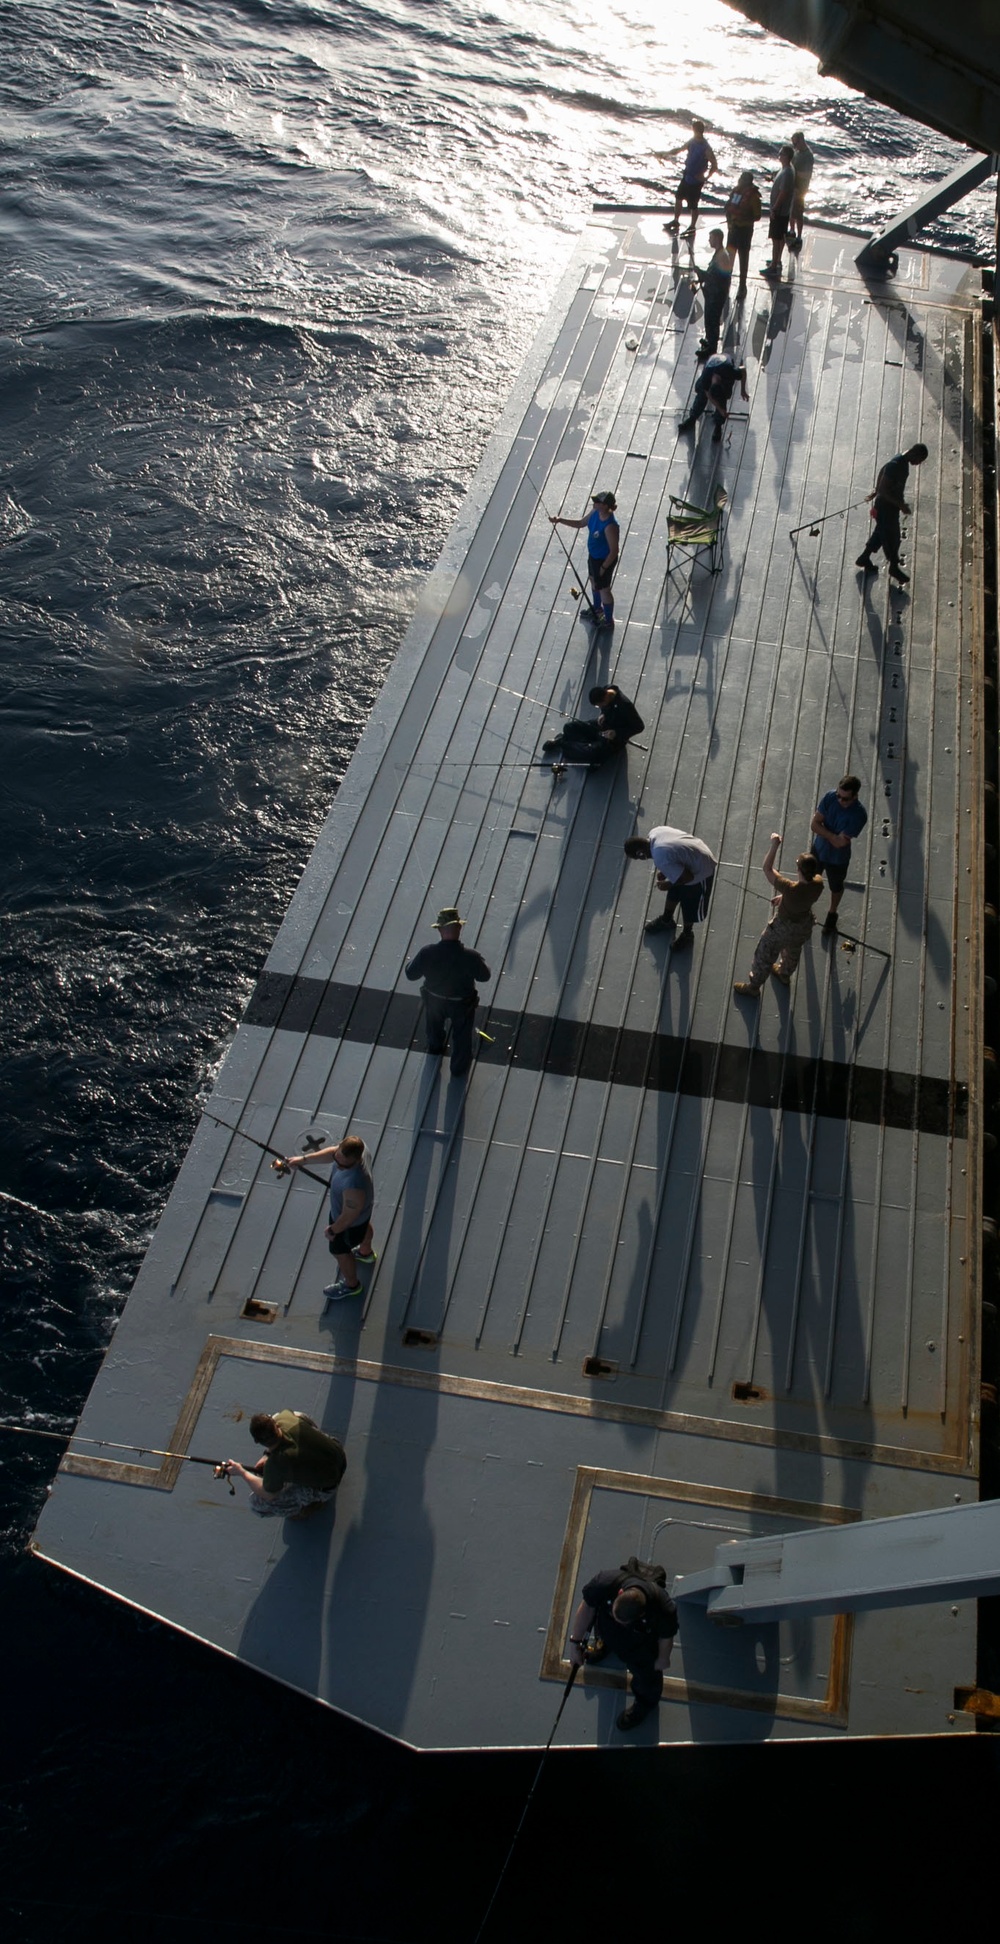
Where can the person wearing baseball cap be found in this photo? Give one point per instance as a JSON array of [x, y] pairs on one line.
[[602, 554], [449, 971]]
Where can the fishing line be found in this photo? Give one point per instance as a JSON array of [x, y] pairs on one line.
[[486, 1918]]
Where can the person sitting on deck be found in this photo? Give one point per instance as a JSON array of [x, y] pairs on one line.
[[301, 1468], [594, 742], [714, 386], [780, 943]]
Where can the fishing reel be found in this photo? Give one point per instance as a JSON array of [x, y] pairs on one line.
[[280, 1166], [225, 1471]]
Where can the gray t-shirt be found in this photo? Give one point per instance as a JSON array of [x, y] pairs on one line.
[[782, 188], [358, 1176], [676, 851]]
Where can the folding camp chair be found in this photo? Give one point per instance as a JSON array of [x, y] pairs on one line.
[[693, 531]]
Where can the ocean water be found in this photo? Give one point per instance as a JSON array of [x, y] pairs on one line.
[[269, 268]]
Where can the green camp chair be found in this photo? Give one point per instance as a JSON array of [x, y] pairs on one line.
[[694, 531]]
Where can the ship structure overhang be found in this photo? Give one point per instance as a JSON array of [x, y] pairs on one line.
[[665, 1269], [939, 68]]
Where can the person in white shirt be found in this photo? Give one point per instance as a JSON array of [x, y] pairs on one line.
[[685, 869]]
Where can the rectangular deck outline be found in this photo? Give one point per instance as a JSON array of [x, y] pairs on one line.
[[163, 1477], [830, 1712]]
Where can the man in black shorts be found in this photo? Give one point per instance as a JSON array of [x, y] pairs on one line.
[[699, 164], [839, 817], [782, 197], [352, 1199]]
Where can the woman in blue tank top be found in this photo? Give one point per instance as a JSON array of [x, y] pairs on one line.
[[602, 554]]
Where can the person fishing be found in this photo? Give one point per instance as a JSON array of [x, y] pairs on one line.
[[301, 1468], [715, 283], [602, 553], [780, 944], [450, 994], [714, 387], [699, 164], [594, 741], [352, 1200], [743, 210]]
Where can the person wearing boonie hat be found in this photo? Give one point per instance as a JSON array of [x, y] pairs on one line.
[[602, 553], [449, 971]]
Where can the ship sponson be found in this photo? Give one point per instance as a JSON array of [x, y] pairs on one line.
[[938, 67]]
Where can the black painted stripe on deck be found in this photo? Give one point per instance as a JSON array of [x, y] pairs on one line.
[[661, 1062]]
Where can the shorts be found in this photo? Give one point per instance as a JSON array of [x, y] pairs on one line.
[[689, 193], [692, 899], [835, 874], [600, 571], [291, 1501], [777, 228], [349, 1239]]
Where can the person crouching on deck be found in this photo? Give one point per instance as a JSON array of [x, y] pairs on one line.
[[300, 1470], [685, 870], [593, 742], [781, 942], [714, 387]]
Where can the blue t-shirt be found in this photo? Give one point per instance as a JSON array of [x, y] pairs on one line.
[[696, 162], [598, 544], [359, 1176], [846, 819]]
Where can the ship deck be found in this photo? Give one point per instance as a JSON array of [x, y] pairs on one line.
[[667, 1268]]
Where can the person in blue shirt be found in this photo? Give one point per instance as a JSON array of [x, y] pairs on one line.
[[699, 164], [352, 1199], [839, 818], [602, 554]]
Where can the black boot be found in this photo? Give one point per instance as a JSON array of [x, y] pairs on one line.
[[636, 1711]]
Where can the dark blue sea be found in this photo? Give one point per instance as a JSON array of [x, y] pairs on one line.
[[268, 269]]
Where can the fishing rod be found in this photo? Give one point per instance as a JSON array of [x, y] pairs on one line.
[[848, 943], [219, 1465], [486, 1917], [575, 591], [813, 526], [281, 1161]]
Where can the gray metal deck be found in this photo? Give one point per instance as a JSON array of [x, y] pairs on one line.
[[762, 1225]]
